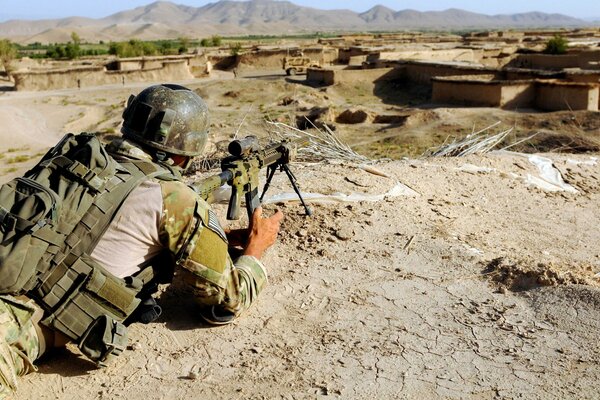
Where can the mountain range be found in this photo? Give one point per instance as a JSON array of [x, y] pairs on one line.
[[164, 19]]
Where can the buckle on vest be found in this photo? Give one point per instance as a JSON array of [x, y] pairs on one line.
[[105, 338], [7, 221]]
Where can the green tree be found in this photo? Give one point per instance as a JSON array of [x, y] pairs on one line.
[[556, 45], [148, 49], [184, 44], [8, 52], [216, 40], [132, 48], [166, 47], [71, 51], [235, 48], [75, 38]]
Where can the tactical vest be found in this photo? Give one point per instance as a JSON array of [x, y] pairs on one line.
[[50, 221]]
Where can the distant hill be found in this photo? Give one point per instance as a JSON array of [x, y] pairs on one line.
[[163, 19]]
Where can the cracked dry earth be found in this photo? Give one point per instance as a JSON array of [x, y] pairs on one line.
[[391, 299]]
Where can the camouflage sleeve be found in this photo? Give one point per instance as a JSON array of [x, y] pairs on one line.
[[192, 232], [19, 341]]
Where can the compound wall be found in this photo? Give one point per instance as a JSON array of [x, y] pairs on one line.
[[585, 60], [553, 96], [465, 92], [466, 55], [548, 95], [421, 72], [97, 76], [273, 59], [349, 76]]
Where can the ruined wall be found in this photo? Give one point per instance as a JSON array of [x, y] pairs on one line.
[[420, 72], [344, 55], [552, 96], [273, 59], [321, 77], [59, 78], [465, 55], [351, 76], [125, 65], [542, 94], [222, 62], [97, 76], [583, 76], [357, 61], [589, 59], [546, 61], [467, 92], [518, 94], [516, 74]]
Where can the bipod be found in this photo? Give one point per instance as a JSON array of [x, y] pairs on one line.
[[271, 169]]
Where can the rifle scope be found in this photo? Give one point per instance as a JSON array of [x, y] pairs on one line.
[[243, 146]]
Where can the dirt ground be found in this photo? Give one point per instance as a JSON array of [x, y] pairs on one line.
[[471, 281]]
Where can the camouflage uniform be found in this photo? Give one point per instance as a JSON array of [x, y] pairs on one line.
[[19, 341], [190, 231]]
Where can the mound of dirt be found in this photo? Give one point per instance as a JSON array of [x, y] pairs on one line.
[[525, 274], [352, 116], [316, 117]]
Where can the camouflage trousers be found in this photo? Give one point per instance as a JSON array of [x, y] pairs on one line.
[[19, 343]]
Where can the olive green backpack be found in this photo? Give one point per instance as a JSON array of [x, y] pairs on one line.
[[50, 221]]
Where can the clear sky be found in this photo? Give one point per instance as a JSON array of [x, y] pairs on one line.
[[38, 9]]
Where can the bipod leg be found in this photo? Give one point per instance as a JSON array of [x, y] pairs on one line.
[[271, 169], [294, 183]]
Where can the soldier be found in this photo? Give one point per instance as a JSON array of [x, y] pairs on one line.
[[161, 224]]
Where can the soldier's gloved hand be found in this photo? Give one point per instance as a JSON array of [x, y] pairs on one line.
[[263, 232]]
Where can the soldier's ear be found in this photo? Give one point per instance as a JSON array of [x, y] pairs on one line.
[[181, 161]]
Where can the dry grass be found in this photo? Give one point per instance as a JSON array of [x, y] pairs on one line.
[[323, 144], [479, 142]]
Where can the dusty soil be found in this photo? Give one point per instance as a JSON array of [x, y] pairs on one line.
[[474, 284]]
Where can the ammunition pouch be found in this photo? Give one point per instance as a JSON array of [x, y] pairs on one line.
[[104, 339], [89, 305]]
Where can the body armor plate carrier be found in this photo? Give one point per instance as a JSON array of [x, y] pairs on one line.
[[51, 220]]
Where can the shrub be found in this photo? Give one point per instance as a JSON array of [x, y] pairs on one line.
[[216, 40], [556, 45], [235, 48], [8, 52], [213, 41]]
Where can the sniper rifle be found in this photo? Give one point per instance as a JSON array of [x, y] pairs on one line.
[[241, 169]]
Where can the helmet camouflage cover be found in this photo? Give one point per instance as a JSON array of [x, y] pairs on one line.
[[170, 118]]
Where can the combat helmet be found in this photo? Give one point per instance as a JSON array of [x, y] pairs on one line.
[[169, 118]]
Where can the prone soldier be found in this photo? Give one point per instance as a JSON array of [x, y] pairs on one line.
[[154, 225]]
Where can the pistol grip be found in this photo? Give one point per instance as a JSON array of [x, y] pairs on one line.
[[252, 202], [233, 211]]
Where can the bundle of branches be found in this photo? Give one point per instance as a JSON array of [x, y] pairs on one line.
[[323, 143], [479, 142]]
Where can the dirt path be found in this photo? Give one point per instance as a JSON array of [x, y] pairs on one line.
[[393, 299]]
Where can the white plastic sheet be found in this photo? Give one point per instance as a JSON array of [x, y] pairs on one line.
[[550, 178], [399, 189]]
